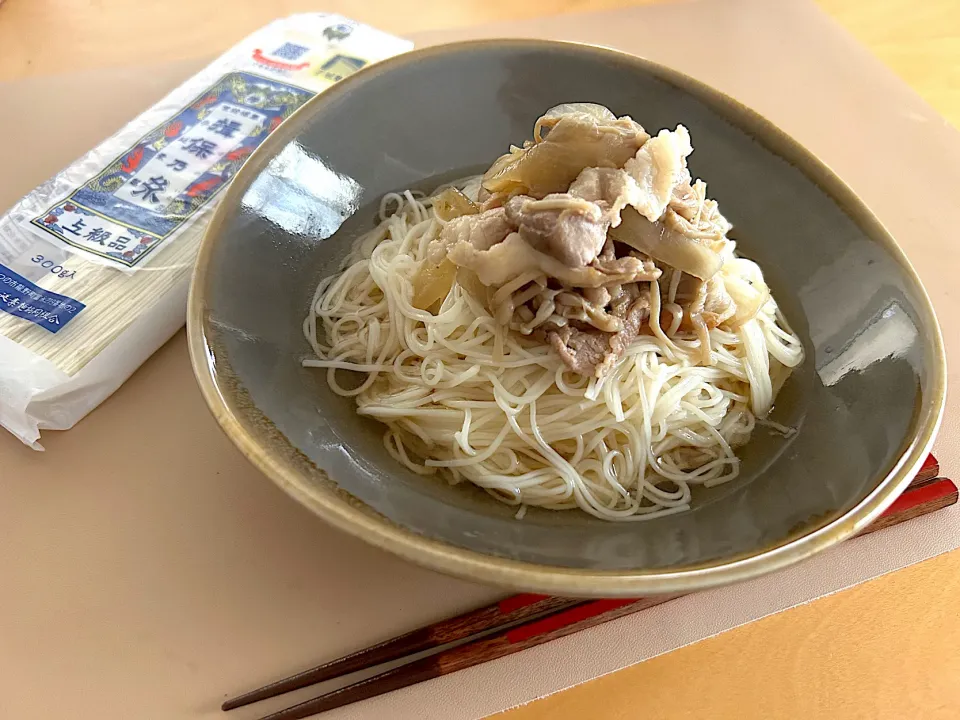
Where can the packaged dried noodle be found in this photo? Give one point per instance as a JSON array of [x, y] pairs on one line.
[[95, 263]]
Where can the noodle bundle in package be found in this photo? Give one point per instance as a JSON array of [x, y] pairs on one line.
[[95, 263]]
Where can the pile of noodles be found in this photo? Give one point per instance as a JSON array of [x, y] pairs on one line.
[[463, 397]]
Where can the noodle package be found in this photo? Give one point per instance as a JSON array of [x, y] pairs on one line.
[[95, 263]]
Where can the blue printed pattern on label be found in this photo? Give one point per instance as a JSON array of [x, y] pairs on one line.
[[290, 51], [21, 298], [153, 188]]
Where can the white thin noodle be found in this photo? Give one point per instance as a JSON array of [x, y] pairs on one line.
[[629, 446]]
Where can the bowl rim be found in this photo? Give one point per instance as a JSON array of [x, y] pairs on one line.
[[367, 524]]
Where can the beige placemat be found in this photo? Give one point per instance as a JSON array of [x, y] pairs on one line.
[[148, 571]]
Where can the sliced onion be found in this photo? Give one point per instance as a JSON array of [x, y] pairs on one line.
[[748, 298], [450, 203], [594, 110], [666, 245], [432, 283], [575, 142]]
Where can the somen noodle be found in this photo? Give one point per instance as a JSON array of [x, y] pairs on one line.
[[470, 391]]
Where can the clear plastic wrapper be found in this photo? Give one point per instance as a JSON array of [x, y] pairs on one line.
[[95, 263]]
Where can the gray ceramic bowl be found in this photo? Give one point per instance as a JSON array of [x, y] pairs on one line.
[[867, 400]]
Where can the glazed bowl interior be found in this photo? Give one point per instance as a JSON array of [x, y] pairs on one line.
[[864, 404]]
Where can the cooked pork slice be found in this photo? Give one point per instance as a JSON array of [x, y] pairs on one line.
[[657, 168], [566, 227], [589, 351]]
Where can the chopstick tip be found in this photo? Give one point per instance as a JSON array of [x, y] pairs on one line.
[[237, 702]]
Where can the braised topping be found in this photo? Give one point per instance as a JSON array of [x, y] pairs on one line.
[[567, 233]]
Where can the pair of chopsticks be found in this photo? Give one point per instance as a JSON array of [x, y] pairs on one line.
[[517, 623]]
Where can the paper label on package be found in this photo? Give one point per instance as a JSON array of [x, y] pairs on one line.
[[154, 178]]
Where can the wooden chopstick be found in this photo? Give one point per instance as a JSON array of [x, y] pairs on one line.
[[917, 501], [565, 622], [929, 471], [561, 617], [925, 498], [508, 611]]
